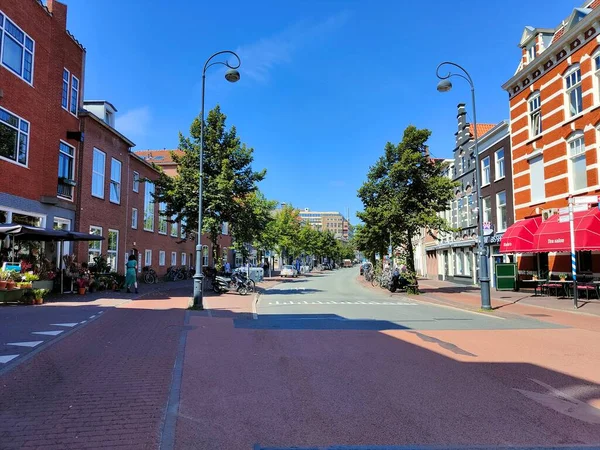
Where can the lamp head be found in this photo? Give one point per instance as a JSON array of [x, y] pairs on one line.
[[232, 75], [444, 86]]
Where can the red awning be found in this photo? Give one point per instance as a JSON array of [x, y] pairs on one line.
[[554, 236], [518, 238]]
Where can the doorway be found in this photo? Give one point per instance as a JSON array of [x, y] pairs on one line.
[[446, 265]]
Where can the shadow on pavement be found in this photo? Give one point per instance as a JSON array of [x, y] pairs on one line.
[[314, 322], [297, 291]]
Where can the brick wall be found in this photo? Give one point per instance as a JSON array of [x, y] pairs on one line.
[[40, 104]]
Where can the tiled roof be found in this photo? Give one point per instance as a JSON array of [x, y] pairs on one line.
[[158, 156], [482, 128]]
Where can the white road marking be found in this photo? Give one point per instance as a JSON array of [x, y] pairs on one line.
[[100, 312], [7, 358], [83, 321], [47, 333], [91, 317], [344, 303], [70, 324], [25, 344]]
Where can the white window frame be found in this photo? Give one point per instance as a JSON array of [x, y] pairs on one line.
[[99, 176], [173, 259], [225, 228], [136, 181], [65, 249], [580, 151], [183, 258], [93, 244], [182, 225], [74, 101], [205, 256], [148, 206], [161, 258], [174, 227], [72, 157], [531, 51], [147, 258], [485, 180], [534, 106], [134, 218], [3, 36], [538, 187], [66, 91], [501, 227], [486, 203], [497, 164], [23, 130], [596, 60], [573, 83], [162, 218], [110, 252], [114, 182]]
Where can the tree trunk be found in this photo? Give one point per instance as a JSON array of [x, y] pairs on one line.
[[410, 254]]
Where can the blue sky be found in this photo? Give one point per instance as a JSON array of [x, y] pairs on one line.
[[325, 83]]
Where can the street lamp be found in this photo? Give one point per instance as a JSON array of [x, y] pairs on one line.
[[232, 75], [444, 86]]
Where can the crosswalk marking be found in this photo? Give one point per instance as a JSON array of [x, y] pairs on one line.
[[47, 333], [7, 358], [291, 302], [26, 344], [70, 324]]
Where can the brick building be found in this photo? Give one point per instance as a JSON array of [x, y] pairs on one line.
[[554, 101], [41, 86]]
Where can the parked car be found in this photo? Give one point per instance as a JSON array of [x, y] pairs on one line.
[[289, 271]]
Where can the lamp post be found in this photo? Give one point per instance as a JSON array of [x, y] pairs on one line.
[[444, 86], [232, 75]]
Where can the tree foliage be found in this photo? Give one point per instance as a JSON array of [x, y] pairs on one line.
[[230, 185], [404, 192]]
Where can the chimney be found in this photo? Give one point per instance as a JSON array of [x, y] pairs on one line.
[[58, 11]]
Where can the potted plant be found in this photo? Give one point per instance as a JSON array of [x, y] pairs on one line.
[[28, 297], [563, 277], [39, 294], [534, 277], [4, 276], [11, 283], [93, 286], [82, 284]]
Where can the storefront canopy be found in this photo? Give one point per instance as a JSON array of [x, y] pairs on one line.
[[554, 236], [29, 233], [519, 237]]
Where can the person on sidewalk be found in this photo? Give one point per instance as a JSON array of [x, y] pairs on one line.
[[227, 268], [131, 274]]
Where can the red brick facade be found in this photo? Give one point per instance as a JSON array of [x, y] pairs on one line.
[[39, 102]]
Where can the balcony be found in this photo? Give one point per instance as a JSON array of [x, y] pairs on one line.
[[65, 188]]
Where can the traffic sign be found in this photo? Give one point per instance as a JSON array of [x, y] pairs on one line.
[[563, 219], [584, 200], [564, 210]]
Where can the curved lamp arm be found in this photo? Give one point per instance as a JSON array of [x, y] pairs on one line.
[[224, 63], [466, 75]]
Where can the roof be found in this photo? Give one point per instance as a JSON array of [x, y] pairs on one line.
[[482, 128], [86, 113], [159, 157]]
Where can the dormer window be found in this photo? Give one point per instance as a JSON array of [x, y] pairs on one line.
[[108, 117], [531, 52]]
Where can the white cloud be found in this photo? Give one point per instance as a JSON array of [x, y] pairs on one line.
[[260, 57], [135, 122]]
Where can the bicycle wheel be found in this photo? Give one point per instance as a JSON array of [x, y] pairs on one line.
[[148, 278], [179, 276], [374, 281], [251, 286]]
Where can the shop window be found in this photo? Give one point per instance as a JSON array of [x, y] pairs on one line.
[[94, 247], [584, 261]]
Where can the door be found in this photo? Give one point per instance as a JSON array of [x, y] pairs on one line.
[[446, 263], [542, 265]]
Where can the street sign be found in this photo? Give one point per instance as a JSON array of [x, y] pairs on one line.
[[563, 219], [584, 200], [564, 210]]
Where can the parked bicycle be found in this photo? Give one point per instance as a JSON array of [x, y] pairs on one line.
[[149, 275], [175, 274]]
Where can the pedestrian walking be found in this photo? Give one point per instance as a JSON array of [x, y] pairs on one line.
[[131, 274], [227, 268]]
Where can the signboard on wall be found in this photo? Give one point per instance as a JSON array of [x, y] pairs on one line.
[[488, 228]]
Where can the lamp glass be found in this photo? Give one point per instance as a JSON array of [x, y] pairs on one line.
[[232, 75], [444, 86]]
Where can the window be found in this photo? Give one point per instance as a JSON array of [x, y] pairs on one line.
[[174, 226], [577, 164], [205, 255], [487, 209], [531, 52], [468, 262], [98, 166], [149, 207], [173, 258], [147, 257], [462, 164], [74, 95], [65, 89], [574, 93], [183, 259], [584, 261], [112, 249], [108, 117], [134, 218], [94, 247], [535, 115], [485, 171], [459, 257], [115, 180], [66, 168], [17, 50], [225, 229], [501, 210], [136, 182], [536, 176], [183, 228], [597, 70], [161, 258], [499, 164], [14, 142], [162, 218]]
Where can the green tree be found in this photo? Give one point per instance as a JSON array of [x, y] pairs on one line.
[[287, 231], [404, 192], [229, 181]]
